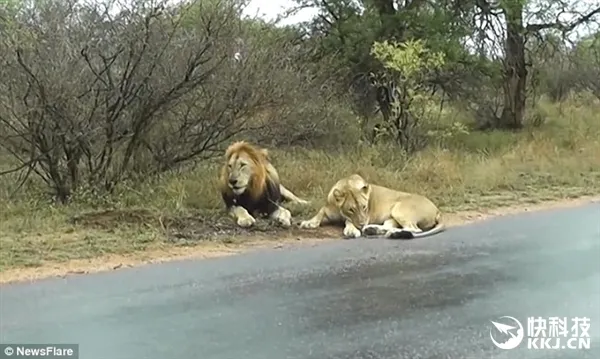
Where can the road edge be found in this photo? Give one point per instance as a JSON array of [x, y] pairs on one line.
[[215, 250]]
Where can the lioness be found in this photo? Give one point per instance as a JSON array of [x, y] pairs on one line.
[[250, 185], [377, 210]]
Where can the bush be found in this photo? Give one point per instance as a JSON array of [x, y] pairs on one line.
[[91, 99]]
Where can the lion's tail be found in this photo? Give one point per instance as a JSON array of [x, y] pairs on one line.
[[289, 196]]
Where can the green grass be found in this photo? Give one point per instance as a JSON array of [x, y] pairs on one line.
[[560, 159]]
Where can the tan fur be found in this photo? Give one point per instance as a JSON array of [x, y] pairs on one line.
[[368, 209], [250, 167]]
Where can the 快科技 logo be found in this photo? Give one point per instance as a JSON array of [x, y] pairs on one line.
[[506, 332]]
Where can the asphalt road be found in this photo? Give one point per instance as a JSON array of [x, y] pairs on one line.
[[375, 298]]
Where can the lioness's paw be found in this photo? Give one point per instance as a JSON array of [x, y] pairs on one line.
[[399, 234], [246, 221], [309, 224], [373, 230], [351, 232]]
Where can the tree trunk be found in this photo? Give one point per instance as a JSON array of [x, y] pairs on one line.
[[515, 70]]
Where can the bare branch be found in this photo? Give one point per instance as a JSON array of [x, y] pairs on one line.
[[558, 25]]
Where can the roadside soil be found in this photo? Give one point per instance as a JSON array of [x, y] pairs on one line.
[[243, 243]]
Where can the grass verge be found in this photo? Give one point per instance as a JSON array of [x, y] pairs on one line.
[[462, 174]]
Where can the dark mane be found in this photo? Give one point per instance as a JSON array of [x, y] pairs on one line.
[[263, 193]]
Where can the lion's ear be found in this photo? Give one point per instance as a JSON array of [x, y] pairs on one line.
[[264, 152]]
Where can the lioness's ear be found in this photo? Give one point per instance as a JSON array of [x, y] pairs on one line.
[[338, 195]]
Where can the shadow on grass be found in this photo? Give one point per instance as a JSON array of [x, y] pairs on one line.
[[188, 227]]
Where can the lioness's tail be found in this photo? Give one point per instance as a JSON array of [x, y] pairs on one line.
[[438, 228]]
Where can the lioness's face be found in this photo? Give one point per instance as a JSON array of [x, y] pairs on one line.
[[353, 202], [239, 169]]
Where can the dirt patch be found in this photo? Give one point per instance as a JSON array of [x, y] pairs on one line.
[[203, 227], [194, 227]]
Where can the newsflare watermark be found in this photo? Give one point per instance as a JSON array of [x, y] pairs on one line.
[[23, 351], [552, 333]]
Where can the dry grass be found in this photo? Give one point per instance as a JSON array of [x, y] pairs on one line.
[[466, 172]]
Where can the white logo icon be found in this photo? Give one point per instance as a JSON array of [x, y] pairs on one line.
[[8, 351], [514, 340]]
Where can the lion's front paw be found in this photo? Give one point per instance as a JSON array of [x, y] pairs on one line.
[[285, 222], [246, 221], [309, 224], [283, 217], [351, 232]]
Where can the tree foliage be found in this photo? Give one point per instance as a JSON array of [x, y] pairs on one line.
[[97, 93], [404, 97]]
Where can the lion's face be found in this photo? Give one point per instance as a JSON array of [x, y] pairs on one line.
[[240, 169], [352, 199]]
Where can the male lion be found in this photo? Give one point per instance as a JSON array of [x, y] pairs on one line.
[[377, 210], [250, 185]]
